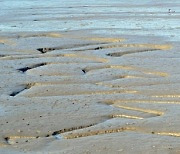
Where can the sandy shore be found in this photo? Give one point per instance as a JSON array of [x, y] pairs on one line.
[[101, 77]]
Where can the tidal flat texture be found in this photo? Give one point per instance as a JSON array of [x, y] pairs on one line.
[[80, 77]]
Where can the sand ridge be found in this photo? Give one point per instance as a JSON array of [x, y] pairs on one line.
[[86, 74]]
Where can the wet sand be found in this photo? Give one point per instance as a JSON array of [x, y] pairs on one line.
[[79, 78]]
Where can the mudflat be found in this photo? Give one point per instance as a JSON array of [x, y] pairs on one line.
[[89, 77]]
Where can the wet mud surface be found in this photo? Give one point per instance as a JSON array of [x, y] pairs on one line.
[[89, 90]]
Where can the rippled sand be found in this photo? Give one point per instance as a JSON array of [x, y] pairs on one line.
[[88, 89]]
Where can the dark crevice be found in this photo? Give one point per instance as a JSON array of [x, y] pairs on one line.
[[3, 55], [84, 71], [24, 69], [15, 93], [70, 129], [98, 48], [45, 50], [7, 140]]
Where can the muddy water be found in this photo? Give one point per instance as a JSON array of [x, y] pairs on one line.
[[89, 77]]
